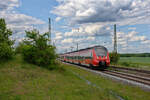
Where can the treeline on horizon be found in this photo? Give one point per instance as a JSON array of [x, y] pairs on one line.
[[135, 55]]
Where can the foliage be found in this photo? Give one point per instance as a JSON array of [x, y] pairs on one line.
[[6, 49], [36, 50], [114, 57], [23, 81], [135, 55], [136, 62], [125, 63], [19, 48]]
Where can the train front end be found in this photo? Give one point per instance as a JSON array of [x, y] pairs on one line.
[[101, 57]]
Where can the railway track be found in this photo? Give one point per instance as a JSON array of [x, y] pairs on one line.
[[135, 76], [144, 73]]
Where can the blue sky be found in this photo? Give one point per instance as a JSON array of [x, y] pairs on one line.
[[87, 22], [37, 8]]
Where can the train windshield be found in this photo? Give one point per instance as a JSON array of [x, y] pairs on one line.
[[101, 51]]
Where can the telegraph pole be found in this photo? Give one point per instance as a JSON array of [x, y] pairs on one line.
[[115, 40], [49, 36], [71, 48], [66, 51], [77, 42], [77, 46]]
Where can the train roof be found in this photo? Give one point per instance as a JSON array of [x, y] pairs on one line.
[[86, 49]]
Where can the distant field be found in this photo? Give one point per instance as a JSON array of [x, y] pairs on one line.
[[144, 60], [141, 62]]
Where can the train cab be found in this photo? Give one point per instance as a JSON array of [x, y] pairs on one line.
[[101, 56]]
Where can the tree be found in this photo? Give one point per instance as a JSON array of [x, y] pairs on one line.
[[114, 57], [36, 49], [6, 49]]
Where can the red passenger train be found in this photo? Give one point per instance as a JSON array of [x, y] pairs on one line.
[[95, 57]]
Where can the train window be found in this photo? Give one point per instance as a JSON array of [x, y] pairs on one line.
[[82, 57], [101, 51], [76, 57]]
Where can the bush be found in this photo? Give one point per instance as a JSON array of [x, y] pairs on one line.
[[6, 49], [125, 63], [35, 49], [135, 55], [114, 57]]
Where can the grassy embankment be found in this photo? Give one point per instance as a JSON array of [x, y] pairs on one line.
[[136, 62], [22, 81]]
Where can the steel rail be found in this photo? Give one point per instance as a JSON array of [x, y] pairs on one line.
[[137, 78], [131, 69], [122, 76]]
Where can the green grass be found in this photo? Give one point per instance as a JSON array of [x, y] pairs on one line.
[[22, 81], [106, 85], [144, 60], [137, 62]]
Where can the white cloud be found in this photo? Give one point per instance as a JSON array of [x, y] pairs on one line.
[[87, 12], [94, 18], [58, 33], [67, 40], [19, 22], [89, 30], [138, 38], [146, 42], [92, 11], [90, 38], [132, 28], [58, 36], [131, 34], [127, 40], [16, 21], [58, 19], [8, 4]]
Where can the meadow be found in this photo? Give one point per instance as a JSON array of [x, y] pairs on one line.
[[138, 62], [23, 81], [144, 60]]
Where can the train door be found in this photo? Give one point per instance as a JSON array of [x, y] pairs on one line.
[[88, 57]]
